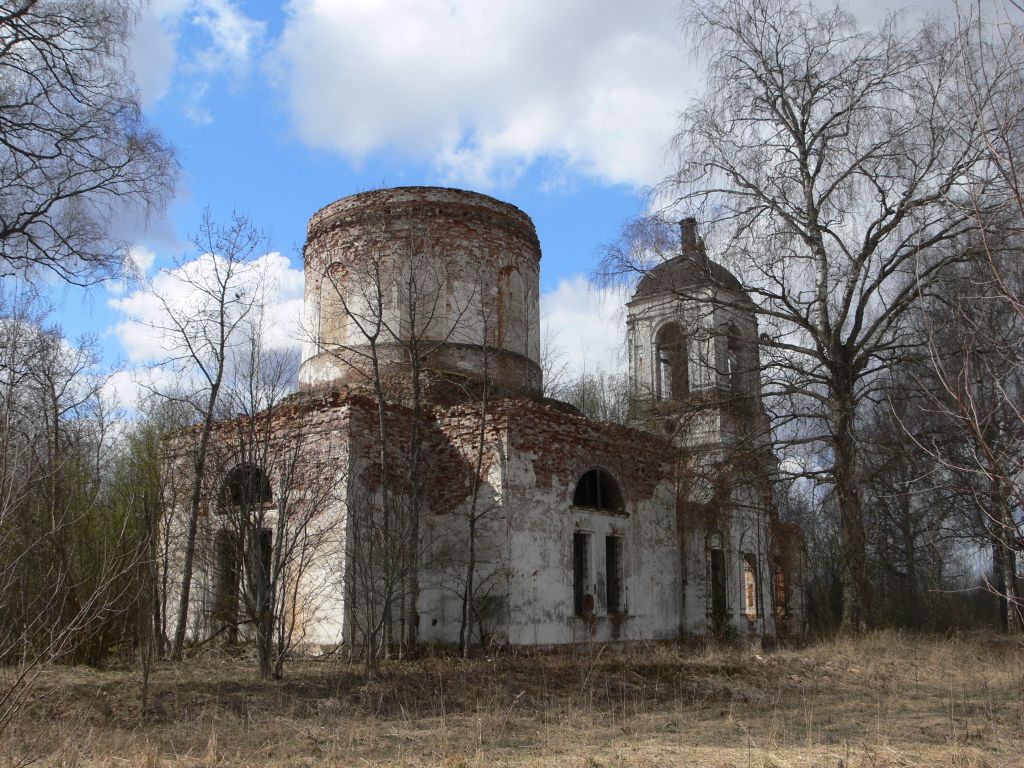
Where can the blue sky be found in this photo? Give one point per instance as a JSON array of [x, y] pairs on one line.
[[277, 110], [563, 108]]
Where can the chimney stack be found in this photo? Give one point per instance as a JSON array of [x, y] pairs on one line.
[[692, 246], [688, 231]]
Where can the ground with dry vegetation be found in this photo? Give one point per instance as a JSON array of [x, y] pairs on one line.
[[884, 701]]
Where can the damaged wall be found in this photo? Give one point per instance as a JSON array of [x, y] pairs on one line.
[[670, 533], [453, 270]]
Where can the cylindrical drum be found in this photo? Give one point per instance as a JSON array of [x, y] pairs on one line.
[[445, 277]]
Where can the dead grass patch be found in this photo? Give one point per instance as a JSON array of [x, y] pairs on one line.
[[884, 701]]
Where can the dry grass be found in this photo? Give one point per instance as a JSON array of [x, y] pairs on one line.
[[885, 701]]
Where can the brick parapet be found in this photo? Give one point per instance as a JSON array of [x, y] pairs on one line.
[[422, 204]]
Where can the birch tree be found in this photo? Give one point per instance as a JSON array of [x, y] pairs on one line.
[[830, 165], [201, 330], [277, 493]]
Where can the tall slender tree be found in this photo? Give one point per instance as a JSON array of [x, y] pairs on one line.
[[202, 325], [830, 165]]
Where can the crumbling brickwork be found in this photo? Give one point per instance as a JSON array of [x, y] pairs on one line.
[[424, 412], [468, 263]]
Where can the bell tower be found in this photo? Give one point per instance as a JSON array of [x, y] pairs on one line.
[[693, 352]]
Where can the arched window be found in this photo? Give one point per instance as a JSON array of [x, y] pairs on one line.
[[599, 490], [246, 486], [672, 379]]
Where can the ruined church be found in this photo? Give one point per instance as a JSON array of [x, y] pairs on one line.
[[454, 497]]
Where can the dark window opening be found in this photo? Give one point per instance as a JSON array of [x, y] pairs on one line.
[[225, 583], [613, 566], [583, 598], [717, 558], [260, 554], [597, 489], [672, 379], [246, 486]]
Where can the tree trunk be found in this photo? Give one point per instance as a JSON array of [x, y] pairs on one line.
[[416, 488], [198, 467], [465, 628], [264, 618], [388, 575], [1010, 607], [1010, 597], [1002, 615], [914, 610], [855, 584]]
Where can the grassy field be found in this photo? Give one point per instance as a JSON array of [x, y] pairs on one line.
[[883, 701]]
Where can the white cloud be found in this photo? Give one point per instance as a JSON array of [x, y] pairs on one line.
[[586, 325], [232, 36], [142, 258], [142, 329], [195, 40], [193, 105], [484, 89], [122, 388], [152, 51]]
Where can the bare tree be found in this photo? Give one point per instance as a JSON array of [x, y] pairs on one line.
[[75, 151], [831, 164], [465, 548], [913, 506], [423, 307], [390, 294], [985, 392], [598, 395], [223, 289], [972, 328], [377, 558], [277, 493], [975, 388], [307, 532], [67, 558], [554, 366]]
